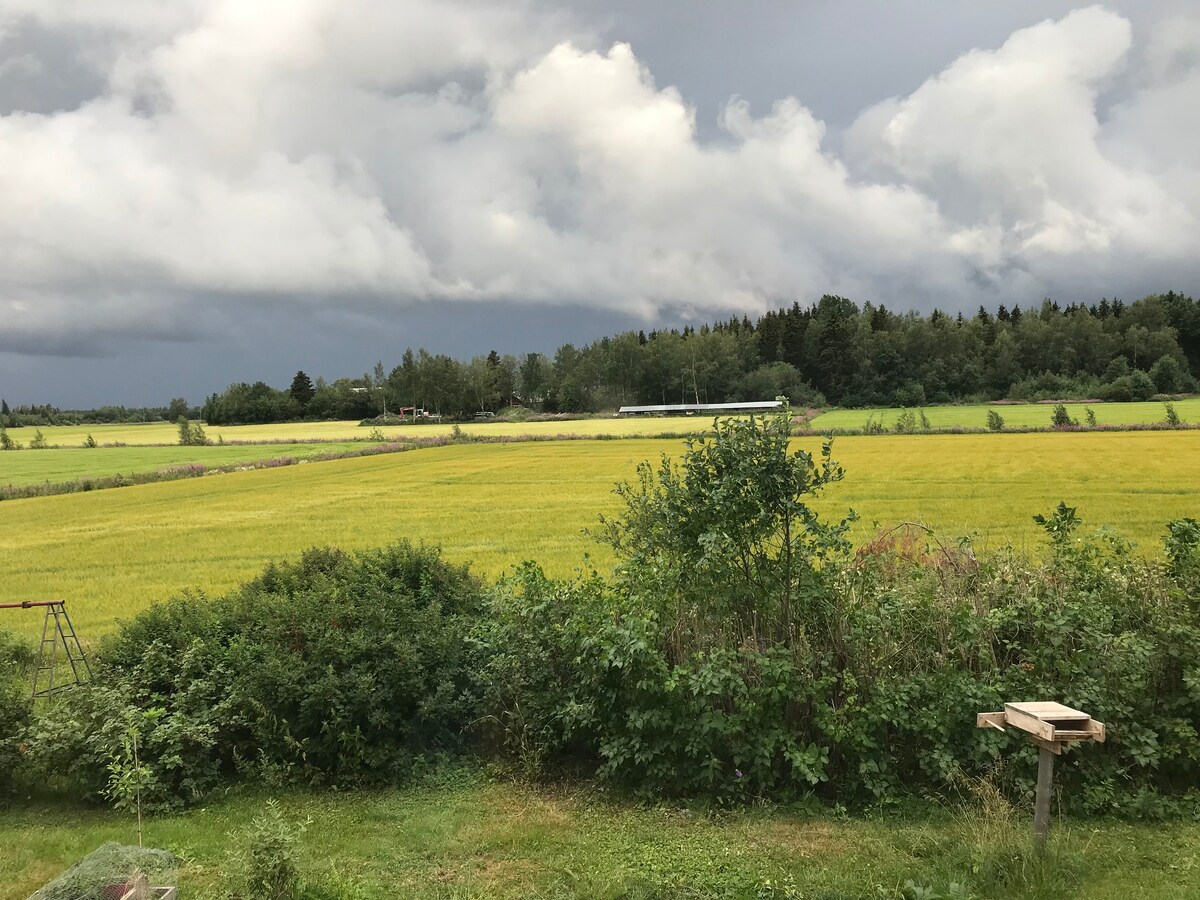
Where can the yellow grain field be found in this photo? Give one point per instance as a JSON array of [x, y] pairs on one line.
[[113, 552], [166, 433]]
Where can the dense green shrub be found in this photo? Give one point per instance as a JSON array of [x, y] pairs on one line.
[[15, 706], [740, 650], [335, 669]]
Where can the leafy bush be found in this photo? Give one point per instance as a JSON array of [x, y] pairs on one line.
[[15, 706], [739, 650], [906, 422], [6, 440], [270, 868], [335, 669], [995, 421], [191, 435], [1060, 418], [1172, 418], [1136, 386]]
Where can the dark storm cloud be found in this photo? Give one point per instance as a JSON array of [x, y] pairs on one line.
[[220, 173]]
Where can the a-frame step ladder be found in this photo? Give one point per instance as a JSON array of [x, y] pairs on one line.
[[61, 660]]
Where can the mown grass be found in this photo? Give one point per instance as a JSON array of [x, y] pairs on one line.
[[34, 467], [1017, 415], [112, 553], [467, 837]]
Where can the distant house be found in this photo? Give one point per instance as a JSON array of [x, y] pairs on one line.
[[691, 409]]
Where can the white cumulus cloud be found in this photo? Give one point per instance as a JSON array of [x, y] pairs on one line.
[[314, 152]]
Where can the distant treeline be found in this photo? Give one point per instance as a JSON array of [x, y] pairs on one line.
[[47, 414], [833, 352]]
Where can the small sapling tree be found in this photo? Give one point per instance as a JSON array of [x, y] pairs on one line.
[[1090, 416], [6, 441], [39, 441], [191, 435], [995, 421], [1060, 418], [727, 534], [1172, 418]]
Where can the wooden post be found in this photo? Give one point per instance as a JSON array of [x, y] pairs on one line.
[[1041, 803]]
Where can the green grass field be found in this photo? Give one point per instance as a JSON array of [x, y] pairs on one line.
[[112, 553], [474, 839], [1017, 415], [34, 467]]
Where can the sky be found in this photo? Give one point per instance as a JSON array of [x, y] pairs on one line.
[[199, 192]]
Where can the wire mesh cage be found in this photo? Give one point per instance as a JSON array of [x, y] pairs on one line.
[[115, 872]]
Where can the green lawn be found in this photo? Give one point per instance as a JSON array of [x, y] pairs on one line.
[[467, 837], [1022, 414], [112, 553], [68, 464]]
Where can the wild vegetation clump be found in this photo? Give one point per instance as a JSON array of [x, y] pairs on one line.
[[741, 649], [336, 669]]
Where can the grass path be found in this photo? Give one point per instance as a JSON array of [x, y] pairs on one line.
[[112, 553]]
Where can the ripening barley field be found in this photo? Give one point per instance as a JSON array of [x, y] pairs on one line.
[[113, 552], [167, 433], [1017, 415]]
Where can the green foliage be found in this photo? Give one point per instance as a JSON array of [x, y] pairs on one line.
[[1060, 525], [1172, 418], [89, 443], [906, 422], [1060, 418], [269, 865], [15, 707], [995, 421], [191, 434], [1089, 416], [6, 440], [38, 442], [1170, 376], [335, 669], [177, 409], [714, 662]]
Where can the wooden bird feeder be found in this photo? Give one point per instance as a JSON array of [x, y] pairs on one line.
[[1052, 727]]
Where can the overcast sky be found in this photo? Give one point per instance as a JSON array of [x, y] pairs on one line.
[[194, 192]]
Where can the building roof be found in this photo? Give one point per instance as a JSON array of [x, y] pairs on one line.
[[702, 407]]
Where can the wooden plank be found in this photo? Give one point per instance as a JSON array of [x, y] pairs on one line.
[[991, 720], [1097, 730], [1028, 722], [1053, 746], [1047, 711], [1072, 735]]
